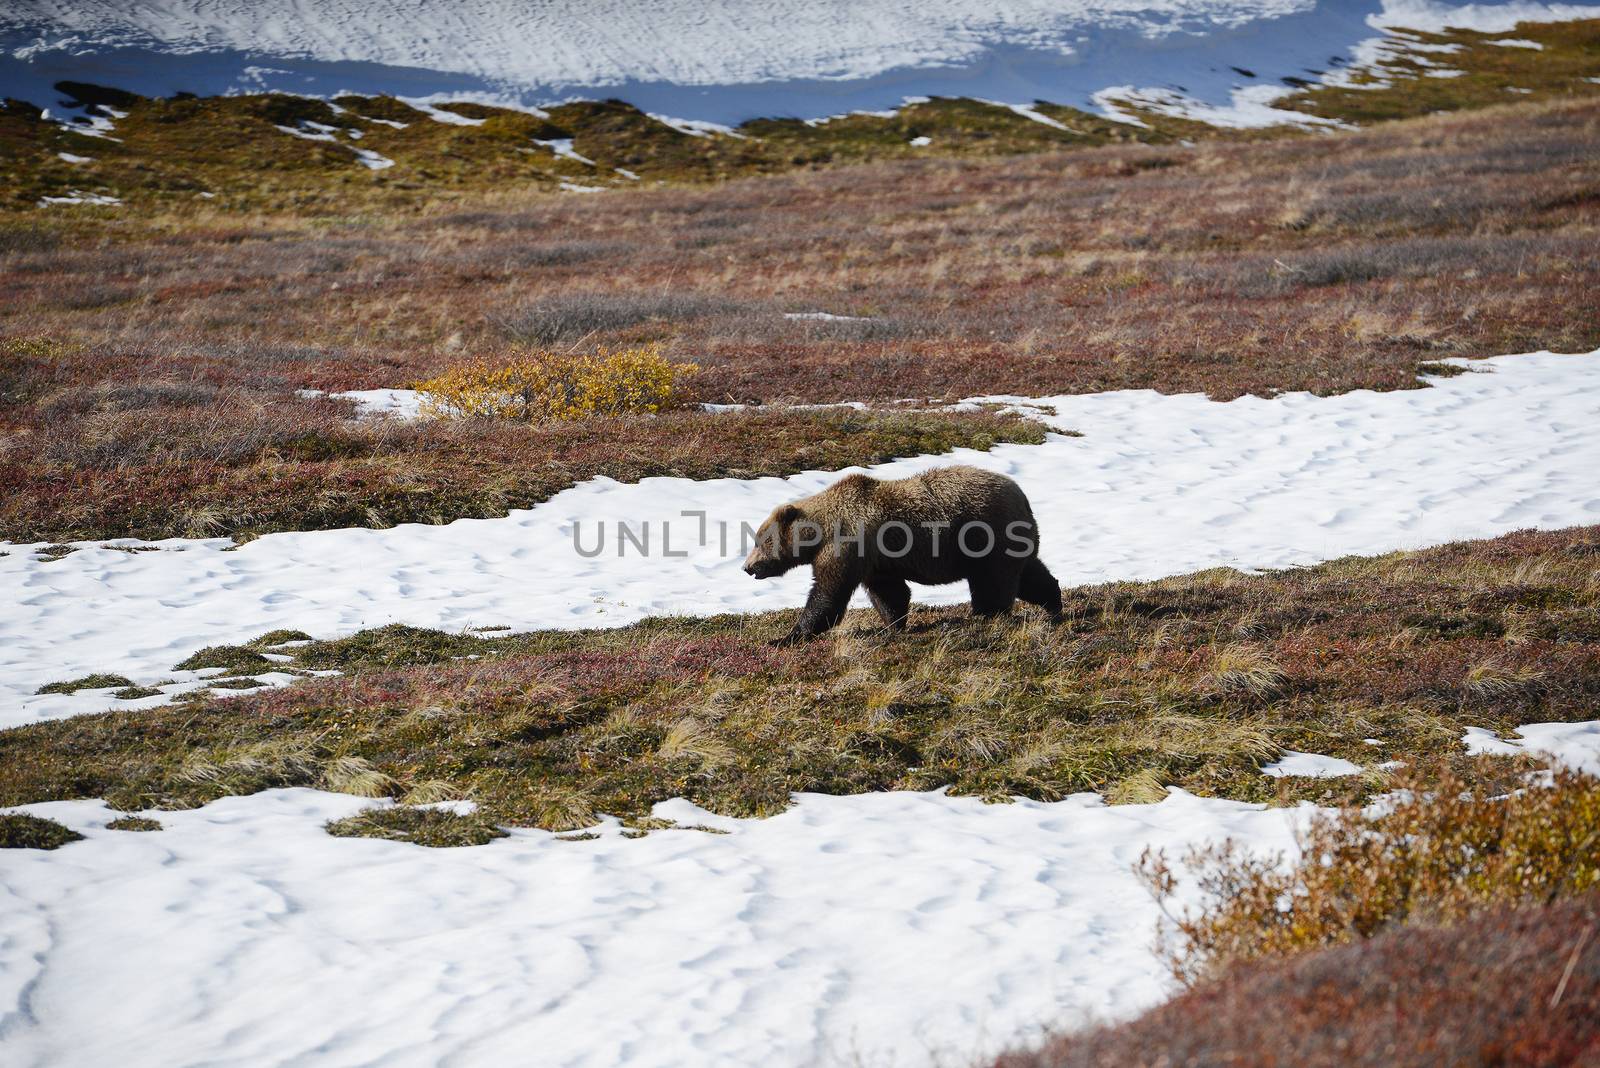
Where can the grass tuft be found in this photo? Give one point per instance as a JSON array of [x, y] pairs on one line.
[[432, 827], [1247, 670], [232, 659], [274, 638], [87, 682]]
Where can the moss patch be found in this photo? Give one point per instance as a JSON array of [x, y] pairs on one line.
[[18, 830], [87, 682], [432, 827]]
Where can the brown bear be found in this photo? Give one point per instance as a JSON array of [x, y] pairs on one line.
[[945, 525]]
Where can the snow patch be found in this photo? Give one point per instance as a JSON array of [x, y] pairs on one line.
[[1433, 16], [909, 928], [437, 114], [1310, 766], [696, 127], [1027, 112], [1575, 745], [310, 131], [400, 403], [829, 317], [1250, 107], [563, 147], [76, 197], [371, 160], [317, 131]]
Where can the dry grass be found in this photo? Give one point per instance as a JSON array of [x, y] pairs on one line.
[[551, 728]]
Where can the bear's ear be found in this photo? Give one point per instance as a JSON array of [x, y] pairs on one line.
[[789, 514]]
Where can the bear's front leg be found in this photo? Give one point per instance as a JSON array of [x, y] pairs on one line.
[[834, 580]]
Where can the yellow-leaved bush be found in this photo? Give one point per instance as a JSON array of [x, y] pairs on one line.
[[539, 385]]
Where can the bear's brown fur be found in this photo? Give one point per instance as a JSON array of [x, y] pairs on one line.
[[950, 524]]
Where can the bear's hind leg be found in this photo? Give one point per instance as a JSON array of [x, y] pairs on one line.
[[892, 598], [1039, 586], [993, 592]]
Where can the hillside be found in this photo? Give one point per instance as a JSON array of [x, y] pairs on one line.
[[85, 137]]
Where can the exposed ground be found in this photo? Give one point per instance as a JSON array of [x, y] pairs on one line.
[[149, 370], [1194, 681]]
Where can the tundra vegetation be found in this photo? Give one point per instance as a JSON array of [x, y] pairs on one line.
[[1516, 986], [170, 341], [152, 369]]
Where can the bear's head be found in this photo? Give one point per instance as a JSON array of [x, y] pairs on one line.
[[785, 541]]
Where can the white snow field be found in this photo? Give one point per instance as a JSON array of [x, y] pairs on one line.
[[1157, 485], [870, 930], [719, 60]]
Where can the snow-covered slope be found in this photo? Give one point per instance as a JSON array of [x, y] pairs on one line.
[[725, 60]]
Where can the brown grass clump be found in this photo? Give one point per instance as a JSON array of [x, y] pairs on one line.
[[1446, 846], [1245, 669]]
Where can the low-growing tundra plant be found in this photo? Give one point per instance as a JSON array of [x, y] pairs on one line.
[[542, 385], [1442, 847]]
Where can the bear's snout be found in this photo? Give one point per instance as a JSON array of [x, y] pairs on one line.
[[756, 567]]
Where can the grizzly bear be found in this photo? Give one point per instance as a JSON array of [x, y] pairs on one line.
[[945, 525]]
